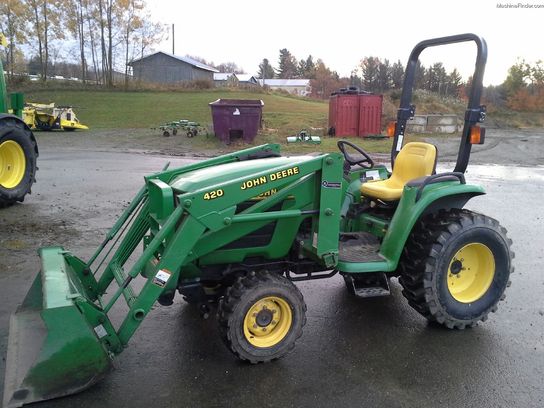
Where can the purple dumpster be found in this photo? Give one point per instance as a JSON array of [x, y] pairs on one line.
[[236, 118]]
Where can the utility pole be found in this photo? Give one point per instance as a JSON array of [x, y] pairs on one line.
[[173, 41]]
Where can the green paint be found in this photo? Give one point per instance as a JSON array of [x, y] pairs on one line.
[[185, 220]]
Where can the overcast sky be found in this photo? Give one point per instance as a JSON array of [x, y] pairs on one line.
[[341, 32]]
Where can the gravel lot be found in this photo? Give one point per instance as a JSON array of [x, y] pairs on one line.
[[354, 352]]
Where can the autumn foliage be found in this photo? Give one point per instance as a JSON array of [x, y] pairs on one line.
[[524, 87]]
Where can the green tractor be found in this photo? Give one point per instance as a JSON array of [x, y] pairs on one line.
[[18, 148], [237, 230]]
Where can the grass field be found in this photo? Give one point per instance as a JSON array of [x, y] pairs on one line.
[[282, 115], [128, 117], [124, 110]]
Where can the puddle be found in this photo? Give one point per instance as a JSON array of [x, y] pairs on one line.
[[497, 172]]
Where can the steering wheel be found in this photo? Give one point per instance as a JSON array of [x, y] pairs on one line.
[[365, 161]]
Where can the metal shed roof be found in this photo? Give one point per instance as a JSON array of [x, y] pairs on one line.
[[286, 82], [246, 78], [223, 76], [187, 60]]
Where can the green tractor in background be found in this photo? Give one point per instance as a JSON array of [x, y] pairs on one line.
[[239, 229], [18, 148]]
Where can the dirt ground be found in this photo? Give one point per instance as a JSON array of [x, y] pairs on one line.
[[353, 352], [523, 147]]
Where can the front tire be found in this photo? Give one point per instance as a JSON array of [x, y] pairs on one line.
[[18, 153], [261, 316], [456, 267]]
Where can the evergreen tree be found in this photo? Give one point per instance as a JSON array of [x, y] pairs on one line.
[[369, 67], [453, 83], [397, 75], [419, 76], [301, 69], [287, 65], [384, 76], [266, 71], [310, 68]]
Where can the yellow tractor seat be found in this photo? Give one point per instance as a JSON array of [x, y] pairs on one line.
[[415, 160]]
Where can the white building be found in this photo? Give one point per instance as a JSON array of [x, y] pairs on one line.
[[299, 87]]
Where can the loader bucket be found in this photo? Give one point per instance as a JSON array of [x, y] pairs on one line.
[[52, 350]]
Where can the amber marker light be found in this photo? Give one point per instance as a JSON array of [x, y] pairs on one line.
[[477, 135], [391, 129]]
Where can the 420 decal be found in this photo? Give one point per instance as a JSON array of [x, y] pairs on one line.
[[212, 195]]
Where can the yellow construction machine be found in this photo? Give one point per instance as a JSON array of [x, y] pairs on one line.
[[50, 117]]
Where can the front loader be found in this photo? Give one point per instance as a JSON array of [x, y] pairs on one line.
[[234, 233]]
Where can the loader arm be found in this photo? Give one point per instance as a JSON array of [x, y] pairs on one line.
[[174, 227]]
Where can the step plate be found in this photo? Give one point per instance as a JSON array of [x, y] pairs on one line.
[[359, 247], [366, 285], [371, 292]]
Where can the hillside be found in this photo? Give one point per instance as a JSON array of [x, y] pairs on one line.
[[127, 117], [107, 110]]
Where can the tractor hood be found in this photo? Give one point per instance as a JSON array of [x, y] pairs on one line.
[[209, 176]]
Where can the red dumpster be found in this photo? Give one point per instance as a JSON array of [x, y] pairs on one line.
[[236, 118]]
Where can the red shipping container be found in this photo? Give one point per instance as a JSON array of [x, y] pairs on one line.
[[344, 114], [354, 114], [370, 115], [332, 112]]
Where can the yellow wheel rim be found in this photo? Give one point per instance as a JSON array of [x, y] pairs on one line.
[[471, 272], [267, 322], [12, 164]]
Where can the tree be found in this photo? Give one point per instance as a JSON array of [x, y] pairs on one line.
[[310, 68], [229, 67], [397, 75], [287, 65], [266, 71], [454, 81], [130, 21], [13, 17], [369, 69], [515, 80], [47, 27], [75, 24], [524, 87], [148, 34], [306, 68], [355, 80], [383, 76], [325, 81], [301, 68], [419, 76]]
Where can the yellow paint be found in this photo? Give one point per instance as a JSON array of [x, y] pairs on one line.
[[273, 332], [36, 113], [415, 160], [268, 193], [476, 274], [284, 173], [12, 164], [212, 195], [253, 183]]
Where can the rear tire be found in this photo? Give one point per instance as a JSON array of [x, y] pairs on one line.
[[261, 316], [456, 267], [18, 153]]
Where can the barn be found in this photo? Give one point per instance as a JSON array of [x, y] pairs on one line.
[[164, 68]]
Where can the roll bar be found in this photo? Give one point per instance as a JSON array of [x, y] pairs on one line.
[[474, 113]]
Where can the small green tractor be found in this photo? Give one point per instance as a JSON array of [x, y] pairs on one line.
[[234, 232], [18, 148]]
